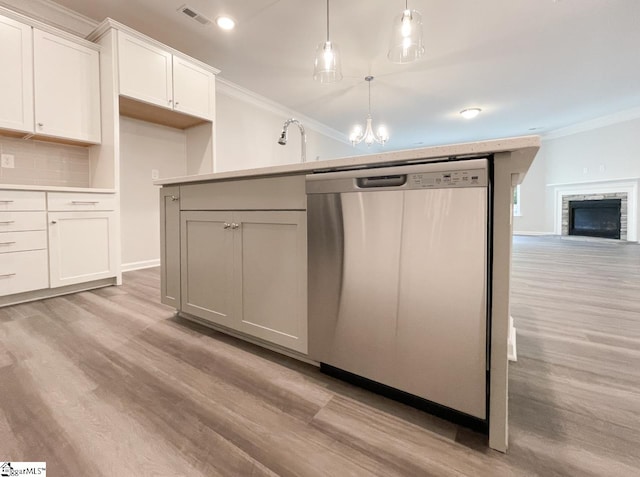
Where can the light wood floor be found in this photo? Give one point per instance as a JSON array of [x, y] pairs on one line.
[[109, 382]]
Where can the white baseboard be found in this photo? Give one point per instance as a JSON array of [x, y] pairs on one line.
[[511, 343], [128, 267]]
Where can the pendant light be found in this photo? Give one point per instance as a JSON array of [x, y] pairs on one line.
[[327, 68], [406, 37], [367, 135]]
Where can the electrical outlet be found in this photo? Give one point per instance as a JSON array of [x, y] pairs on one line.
[[155, 174], [8, 161], [585, 170]]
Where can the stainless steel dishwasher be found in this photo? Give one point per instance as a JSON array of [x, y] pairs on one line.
[[398, 279]]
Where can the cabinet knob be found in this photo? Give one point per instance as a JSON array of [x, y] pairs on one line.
[[234, 226], [174, 198], [170, 101], [226, 225], [177, 103], [40, 125], [54, 222]]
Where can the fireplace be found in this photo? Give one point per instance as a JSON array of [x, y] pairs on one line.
[[595, 218]]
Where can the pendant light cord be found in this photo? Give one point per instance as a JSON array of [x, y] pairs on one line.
[[369, 97], [327, 20]]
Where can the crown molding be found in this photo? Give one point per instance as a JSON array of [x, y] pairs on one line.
[[53, 14], [597, 123], [233, 90]]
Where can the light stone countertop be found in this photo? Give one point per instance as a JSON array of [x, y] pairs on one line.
[[408, 155]]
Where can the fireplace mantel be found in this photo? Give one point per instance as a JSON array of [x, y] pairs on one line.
[[628, 186]]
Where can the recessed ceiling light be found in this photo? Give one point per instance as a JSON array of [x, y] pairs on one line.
[[470, 112], [225, 22]]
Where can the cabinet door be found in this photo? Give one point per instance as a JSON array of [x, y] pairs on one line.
[[207, 267], [193, 89], [81, 247], [273, 273], [170, 246], [16, 80], [145, 71], [67, 89]]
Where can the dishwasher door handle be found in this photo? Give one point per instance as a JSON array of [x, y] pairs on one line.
[[381, 181]]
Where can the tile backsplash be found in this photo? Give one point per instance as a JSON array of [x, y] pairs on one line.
[[44, 163]]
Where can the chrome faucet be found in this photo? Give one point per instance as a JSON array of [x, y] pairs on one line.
[[283, 137]]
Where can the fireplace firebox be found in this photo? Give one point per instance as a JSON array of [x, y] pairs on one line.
[[595, 218]]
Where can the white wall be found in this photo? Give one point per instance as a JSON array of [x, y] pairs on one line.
[[606, 153], [145, 146], [247, 136]]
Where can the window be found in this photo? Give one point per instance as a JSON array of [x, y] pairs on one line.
[[516, 201]]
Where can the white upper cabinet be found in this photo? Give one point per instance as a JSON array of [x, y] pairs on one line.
[[154, 75], [193, 89], [145, 71], [67, 89], [16, 83]]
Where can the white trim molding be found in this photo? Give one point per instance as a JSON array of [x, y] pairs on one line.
[[54, 15], [129, 267], [629, 186], [235, 91], [603, 121]]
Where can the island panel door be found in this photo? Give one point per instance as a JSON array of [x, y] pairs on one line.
[[207, 261]]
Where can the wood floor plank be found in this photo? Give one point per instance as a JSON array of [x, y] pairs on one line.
[[110, 381]]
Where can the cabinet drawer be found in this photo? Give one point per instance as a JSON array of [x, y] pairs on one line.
[[23, 271], [270, 193], [23, 241], [22, 200], [63, 201], [22, 221]]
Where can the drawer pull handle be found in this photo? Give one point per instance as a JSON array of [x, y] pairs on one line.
[[85, 202], [235, 226], [7, 243], [226, 225], [174, 198], [6, 201], [7, 222], [7, 275], [54, 222]]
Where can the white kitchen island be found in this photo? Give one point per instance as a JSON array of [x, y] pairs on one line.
[[234, 250]]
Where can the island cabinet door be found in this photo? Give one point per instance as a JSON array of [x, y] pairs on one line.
[[207, 267], [273, 271], [170, 246]]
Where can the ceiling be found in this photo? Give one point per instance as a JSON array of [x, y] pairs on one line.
[[531, 65]]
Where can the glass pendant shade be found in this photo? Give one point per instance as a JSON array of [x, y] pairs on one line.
[[327, 67], [406, 37]]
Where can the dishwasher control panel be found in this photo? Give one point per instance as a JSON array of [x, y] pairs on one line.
[[437, 180]]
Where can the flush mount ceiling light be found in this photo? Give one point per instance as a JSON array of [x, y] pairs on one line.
[[406, 36], [367, 135], [326, 67], [225, 22], [470, 113]]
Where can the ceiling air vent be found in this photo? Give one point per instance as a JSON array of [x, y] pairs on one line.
[[191, 13]]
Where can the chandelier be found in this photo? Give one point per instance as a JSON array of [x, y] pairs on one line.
[[367, 135]]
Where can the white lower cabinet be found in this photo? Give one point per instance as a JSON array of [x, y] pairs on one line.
[[247, 271], [81, 247], [23, 271], [23, 242]]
